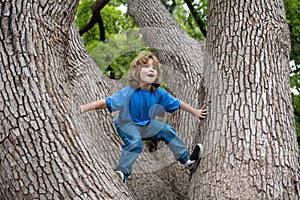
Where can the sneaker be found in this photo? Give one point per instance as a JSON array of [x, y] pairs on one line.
[[195, 157], [189, 163], [121, 176]]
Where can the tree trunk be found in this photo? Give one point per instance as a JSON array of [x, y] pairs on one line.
[[251, 147], [45, 152]]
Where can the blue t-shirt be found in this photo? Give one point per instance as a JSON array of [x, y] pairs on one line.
[[140, 106]]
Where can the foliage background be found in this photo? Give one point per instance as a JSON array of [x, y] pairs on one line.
[[123, 40]]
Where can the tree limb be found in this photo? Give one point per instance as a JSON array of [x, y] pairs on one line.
[[198, 19], [96, 18]]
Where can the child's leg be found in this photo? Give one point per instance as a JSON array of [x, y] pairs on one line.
[[157, 130], [132, 147]]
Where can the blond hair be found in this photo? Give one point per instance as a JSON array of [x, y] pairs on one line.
[[135, 68]]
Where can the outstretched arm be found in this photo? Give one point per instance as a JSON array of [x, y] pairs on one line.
[[198, 113], [100, 104]]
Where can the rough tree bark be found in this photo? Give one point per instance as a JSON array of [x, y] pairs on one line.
[[48, 151], [183, 63], [42, 154], [252, 151], [249, 136]]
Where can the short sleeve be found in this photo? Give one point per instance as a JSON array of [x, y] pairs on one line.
[[120, 100], [116, 101], [108, 104], [170, 103]]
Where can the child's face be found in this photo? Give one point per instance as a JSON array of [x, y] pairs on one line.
[[148, 73]]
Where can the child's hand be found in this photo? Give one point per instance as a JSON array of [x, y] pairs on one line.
[[87, 107], [201, 113], [80, 109]]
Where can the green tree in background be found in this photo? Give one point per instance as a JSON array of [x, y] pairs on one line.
[[123, 41], [122, 38], [114, 21], [115, 54]]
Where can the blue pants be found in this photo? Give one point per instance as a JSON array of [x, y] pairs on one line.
[[132, 136]]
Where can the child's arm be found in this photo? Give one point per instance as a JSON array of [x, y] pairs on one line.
[[100, 104], [198, 113]]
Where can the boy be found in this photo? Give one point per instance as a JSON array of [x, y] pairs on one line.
[[138, 104]]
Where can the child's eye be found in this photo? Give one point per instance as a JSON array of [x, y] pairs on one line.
[[147, 66]]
